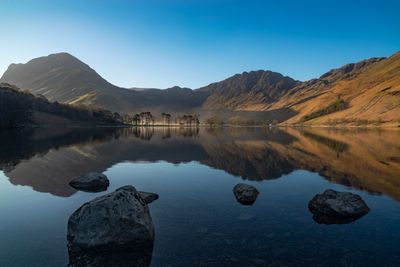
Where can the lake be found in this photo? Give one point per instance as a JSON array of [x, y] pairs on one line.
[[197, 218]]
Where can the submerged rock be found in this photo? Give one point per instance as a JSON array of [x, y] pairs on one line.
[[333, 207], [120, 258], [148, 197], [92, 182], [245, 194], [117, 221]]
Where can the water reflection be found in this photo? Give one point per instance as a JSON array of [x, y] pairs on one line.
[[146, 133], [47, 160], [320, 219]]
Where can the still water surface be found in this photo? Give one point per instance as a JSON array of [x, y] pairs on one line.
[[197, 218]]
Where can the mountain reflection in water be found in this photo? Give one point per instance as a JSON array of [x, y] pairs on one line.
[[47, 159]]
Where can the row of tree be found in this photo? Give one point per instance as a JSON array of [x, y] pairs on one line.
[[19, 107], [147, 119]]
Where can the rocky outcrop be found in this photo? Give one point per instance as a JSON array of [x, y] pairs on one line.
[[333, 207], [148, 197], [245, 194], [92, 182], [117, 221]]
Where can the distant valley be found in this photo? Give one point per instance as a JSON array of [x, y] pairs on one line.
[[363, 93]]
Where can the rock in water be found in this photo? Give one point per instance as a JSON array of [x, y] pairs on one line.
[[120, 258], [92, 182], [117, 221], [333, 207], [245, 194], [148, 197]]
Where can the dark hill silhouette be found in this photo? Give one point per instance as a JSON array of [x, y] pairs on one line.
[[19, 108]]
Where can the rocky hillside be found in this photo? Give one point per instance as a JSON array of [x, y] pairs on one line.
[[252, 91], [367, 92]]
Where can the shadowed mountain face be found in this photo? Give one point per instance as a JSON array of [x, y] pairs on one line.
[[252, 91], [360, 93], [367, 160]]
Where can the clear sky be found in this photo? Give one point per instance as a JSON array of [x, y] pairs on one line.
[[192, 43]]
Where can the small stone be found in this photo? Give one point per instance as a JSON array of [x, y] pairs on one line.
[[91, 182], [333, 207], [245, 194]]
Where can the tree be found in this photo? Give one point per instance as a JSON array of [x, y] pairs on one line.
[[236, 120], [214, 121]]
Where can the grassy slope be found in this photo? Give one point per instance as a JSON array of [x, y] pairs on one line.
[[372, 94]]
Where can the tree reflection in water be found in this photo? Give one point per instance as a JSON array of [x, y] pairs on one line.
[[47, 159]]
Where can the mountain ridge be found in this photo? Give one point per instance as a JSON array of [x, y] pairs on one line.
[[330, 99], [247, 90], [368, 90]]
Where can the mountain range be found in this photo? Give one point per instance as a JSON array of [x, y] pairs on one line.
[[362, 93]]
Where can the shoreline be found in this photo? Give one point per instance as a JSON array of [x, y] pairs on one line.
[[203, 126]]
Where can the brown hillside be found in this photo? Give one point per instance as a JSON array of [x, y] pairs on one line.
[[367, 92]]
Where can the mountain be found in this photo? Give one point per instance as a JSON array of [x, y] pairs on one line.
[[19, 108], [252, 91], [363, 93], [367, 92], [62, 77]]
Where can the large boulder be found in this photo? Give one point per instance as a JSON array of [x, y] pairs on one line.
[[117, 221], [148, 197], [91, 182], [245, 194], [333, 207]]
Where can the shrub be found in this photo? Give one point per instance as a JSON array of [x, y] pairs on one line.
[[338, 105]]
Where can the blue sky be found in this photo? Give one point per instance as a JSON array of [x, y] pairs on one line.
[[192, 43]]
